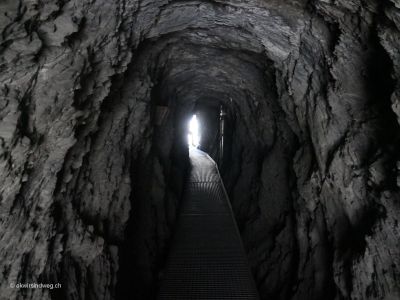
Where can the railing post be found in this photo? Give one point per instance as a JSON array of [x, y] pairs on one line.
[[222, 115]]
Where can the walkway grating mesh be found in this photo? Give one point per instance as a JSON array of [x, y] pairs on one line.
[[206, 260]]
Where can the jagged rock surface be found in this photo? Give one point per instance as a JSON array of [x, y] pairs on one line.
[[90, 179]]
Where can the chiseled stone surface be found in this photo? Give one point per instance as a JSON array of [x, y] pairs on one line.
[[89, 184]]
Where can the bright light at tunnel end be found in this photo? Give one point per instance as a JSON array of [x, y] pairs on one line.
[[194, 132]]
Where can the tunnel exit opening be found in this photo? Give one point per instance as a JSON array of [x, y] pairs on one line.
[[194, 135]]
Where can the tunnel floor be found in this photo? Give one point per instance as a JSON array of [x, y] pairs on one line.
[[206, 259]]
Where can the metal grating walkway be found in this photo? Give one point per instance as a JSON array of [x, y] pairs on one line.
[[206, 260]]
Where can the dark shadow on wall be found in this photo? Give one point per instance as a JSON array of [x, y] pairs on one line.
[[158, 182]]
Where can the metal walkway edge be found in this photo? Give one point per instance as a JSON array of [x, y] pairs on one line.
[[206, 260]]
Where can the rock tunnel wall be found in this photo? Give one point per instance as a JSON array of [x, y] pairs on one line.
[[90, 182]]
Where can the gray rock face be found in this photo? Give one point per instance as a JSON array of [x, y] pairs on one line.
[[91, 174]]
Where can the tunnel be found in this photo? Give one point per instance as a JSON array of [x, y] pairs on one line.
[[297, 135]]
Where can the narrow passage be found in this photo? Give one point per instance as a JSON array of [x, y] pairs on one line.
[[207, 260]]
